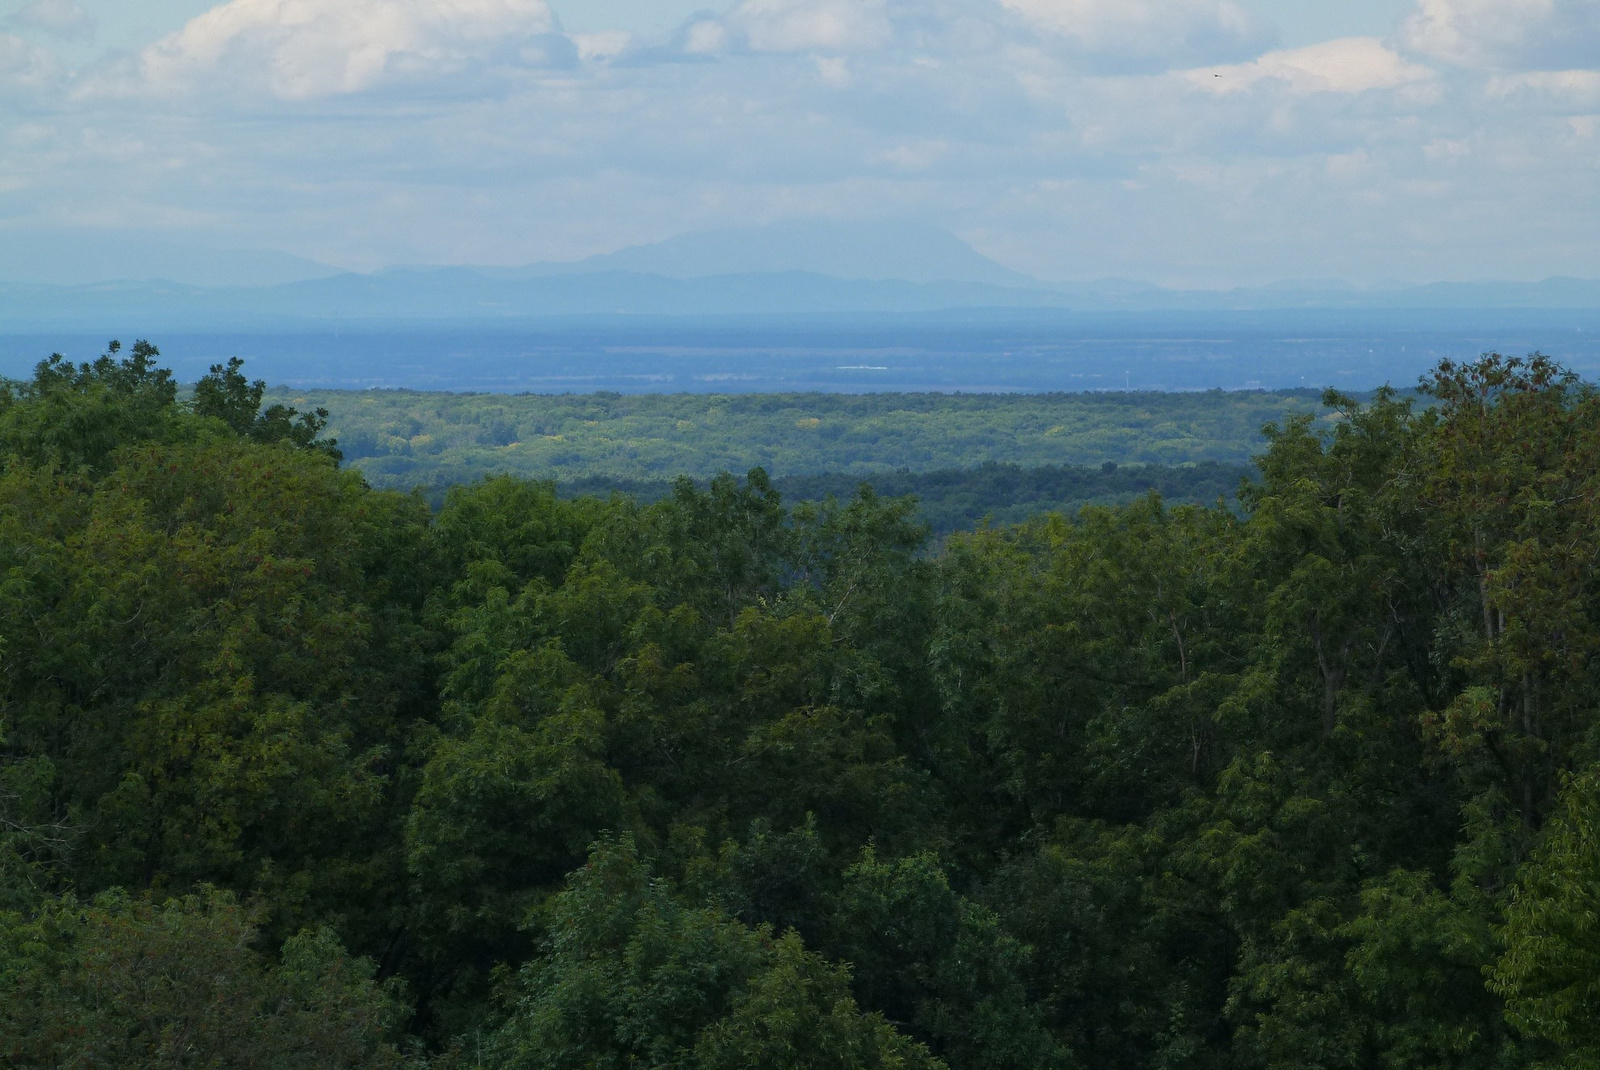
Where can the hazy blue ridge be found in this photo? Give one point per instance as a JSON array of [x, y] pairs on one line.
[[470, 296], [969, 351], [465, 295]]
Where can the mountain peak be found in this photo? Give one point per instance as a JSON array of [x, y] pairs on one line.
[[842, 249]]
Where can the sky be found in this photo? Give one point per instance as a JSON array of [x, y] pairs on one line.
[[1196, 143]]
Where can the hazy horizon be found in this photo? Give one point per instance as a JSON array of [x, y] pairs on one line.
[[1026, 351]]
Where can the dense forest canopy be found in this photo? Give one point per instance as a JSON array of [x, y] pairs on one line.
[[298, 772], [402, 438]]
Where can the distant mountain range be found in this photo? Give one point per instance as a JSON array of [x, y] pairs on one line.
[[878, 251], [796, 269]]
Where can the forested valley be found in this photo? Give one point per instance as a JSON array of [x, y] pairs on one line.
[[296, 772]]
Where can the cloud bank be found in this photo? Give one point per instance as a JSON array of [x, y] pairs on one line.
[[301, 49], [1528, 34], [1347, 65], [1142, 33], [58, 18]]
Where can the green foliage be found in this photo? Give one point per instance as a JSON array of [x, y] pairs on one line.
[[951, 500], [1550, 969], [33, 836], [1399, 981], [1510, 488], [77, 415], [634, 978], [204, 639], [225, 394], [1302, 778], [130, 983], [941, 963], [991, 494], [1130, 951], [71, 415], [185, 643]]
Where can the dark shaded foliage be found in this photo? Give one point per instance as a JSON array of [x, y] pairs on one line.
[[957, 499]]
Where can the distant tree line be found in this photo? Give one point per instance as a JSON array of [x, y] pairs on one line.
[[958, 499], [298, 772]]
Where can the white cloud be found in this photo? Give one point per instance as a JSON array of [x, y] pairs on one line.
[[1148, 31], [63, 18], [603, 45], [1348, 65], [915, 156], [828, 26], [299, 49], [24, 65], [1580, 88], [706, 37], [834, 71], [812, 25], [1508, 34]]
